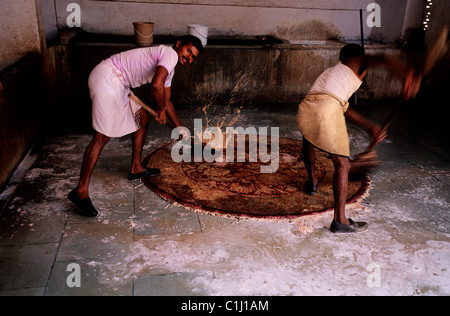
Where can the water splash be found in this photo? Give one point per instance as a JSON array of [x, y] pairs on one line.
[[229, 113]]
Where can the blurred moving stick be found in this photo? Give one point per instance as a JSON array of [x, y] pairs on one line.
[[367, 161], [436, 52]]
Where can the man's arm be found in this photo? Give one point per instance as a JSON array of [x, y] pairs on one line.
[[159, 93], [360, 65], [172, 115], [410, 77], [375, 131], [170, 109]]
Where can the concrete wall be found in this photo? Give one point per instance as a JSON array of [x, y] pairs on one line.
[[292, 20], [49, 19], [20, 111], [231, 75], [27, 72], [19, 38], [277, 75], [19, 31]]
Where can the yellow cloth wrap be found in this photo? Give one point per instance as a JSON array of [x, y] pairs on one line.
[[322, 122]]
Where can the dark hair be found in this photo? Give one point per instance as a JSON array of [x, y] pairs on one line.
[[351, 50], [190, 39]]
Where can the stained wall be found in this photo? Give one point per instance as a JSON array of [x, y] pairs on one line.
[[292, 20]]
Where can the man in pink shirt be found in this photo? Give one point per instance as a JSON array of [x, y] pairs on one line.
[[114, 114]]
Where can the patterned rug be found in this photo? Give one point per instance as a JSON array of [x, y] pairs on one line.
[[239, 189]]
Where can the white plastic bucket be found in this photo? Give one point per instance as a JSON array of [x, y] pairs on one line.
[[200, 31], [143, 32]]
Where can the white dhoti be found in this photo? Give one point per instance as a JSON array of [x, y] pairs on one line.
[[113, 113]]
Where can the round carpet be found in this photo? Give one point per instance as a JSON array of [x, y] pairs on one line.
[[240, 189]]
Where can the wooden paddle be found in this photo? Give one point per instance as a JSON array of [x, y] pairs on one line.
[[367, 161], [436, 52], [148, 109], [169, 123]]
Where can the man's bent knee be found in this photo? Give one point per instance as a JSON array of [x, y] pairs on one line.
[[341, 162], [101, 138]]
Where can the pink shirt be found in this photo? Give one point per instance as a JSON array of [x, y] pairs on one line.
[[138, 66]]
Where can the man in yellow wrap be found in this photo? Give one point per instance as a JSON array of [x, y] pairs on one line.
[[322, 118]]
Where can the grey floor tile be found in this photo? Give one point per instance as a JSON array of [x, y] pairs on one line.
[[37, 291], [157, 216], [27, 266], [19, 227], [77, 278], [174, 284], [94, 241]]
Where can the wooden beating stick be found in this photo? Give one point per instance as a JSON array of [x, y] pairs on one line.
[[150, 110], [436, 52], [367, 161]]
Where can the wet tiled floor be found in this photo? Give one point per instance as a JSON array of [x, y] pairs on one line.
[[143, 245]]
